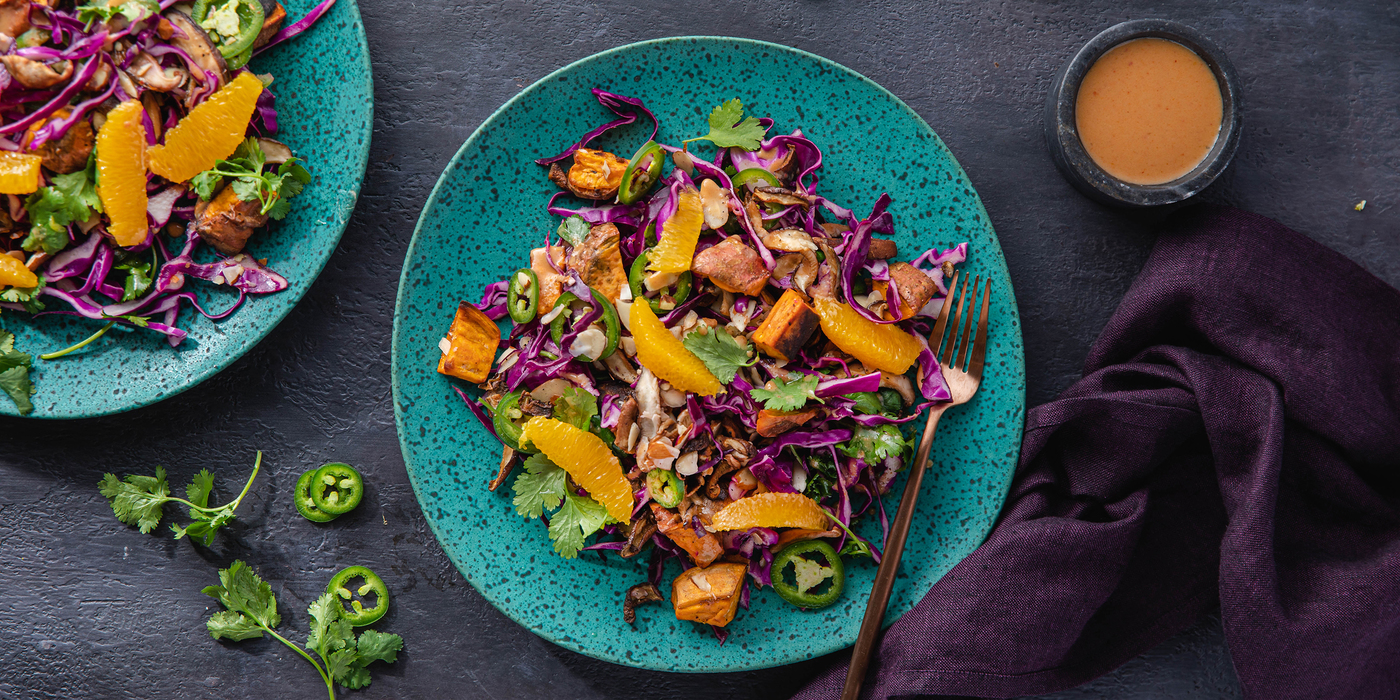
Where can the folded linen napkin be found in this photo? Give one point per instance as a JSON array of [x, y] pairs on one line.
[[1235, 440]]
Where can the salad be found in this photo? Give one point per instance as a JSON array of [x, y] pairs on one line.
[[712, 364], [131, 135]]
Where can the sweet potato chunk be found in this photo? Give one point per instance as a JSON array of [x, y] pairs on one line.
[[472, 340], [775, 423], [226, 222], [788, 327], [732, 266], [598, 261], [915, 288], [883, 249], [709, 595], [595, 174], [704, 550], [551, 282]]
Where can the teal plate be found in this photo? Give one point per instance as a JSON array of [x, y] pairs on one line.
[[325, 108], [487, 211]]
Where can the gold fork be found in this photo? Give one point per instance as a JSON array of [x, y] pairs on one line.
[[963, 375]]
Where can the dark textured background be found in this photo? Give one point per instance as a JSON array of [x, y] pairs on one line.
[[92, 609]]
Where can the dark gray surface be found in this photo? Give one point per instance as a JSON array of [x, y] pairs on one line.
[[93, 609]]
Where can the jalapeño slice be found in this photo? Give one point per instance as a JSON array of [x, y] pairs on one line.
[[357, 615], [305, 505], [336, 489], [809, 574]]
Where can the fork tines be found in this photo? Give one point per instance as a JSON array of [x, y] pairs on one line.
[[960, 337]]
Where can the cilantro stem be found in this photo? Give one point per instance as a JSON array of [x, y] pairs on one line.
[[231, 506], [330, 685], [79, 346]]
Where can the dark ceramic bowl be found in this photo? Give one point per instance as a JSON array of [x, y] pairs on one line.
[[1062, 132]]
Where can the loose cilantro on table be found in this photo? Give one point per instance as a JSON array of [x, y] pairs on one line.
[[140, 501], [729, 128], [71, 199], [787, 394], [720, 352], [574, 229], [271, 189], [544, 486], [251, 611], [14, 373]]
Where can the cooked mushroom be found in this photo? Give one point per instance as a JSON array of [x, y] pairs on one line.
[[714, 201], [100, 78], [148, 71], [640, 594], [70, 153], [639, 535], [35, 75], [781, 196], [274, 151], [192, 39], [882, 249], [227, 222], [732, 266], [795, 241], [507, 463], [14, 17]]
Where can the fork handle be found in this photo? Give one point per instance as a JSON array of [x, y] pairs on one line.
[[889, 562]]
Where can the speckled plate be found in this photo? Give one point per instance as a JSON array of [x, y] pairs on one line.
[[325, 107], [487, 211]]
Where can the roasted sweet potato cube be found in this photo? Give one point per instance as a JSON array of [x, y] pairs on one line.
[[704, 550], [732, 266], [472, 342], [595, 174], [709, 595], [775, 423], [598, 261], [915, 287], [551, 282], [788, 327]]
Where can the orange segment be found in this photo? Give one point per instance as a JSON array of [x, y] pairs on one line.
[[121, 172], [679, 235], [212, 130], [880, 345], [771, 510], [13, 273], [19, 172], [666, 357], [584, 456]]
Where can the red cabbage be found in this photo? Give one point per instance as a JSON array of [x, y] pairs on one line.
[[297, 27], [617, 104]]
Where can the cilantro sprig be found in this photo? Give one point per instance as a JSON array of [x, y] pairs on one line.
[[730, 128], [271, 189], [875, 445], [251, 611], [70, 199], [574, 229], [14, 373], [720, 352], [787, 394], [101, 11], [140, 501], [544, 486]]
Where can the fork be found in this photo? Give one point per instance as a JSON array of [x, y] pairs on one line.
[[963, 375]]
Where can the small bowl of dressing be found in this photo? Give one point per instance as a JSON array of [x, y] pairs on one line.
[[1147, 113]]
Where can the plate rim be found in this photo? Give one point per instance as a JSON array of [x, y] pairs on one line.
[[432, 200], [222, 363]]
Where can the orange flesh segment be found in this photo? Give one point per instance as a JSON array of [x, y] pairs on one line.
[[19, 172], [13, 273], [211, 131], [666, 357], [587, 459], [676, 248], [121, 172], [883, 346], [771, 510]]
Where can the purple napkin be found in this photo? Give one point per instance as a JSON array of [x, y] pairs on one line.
[[1235, 440]]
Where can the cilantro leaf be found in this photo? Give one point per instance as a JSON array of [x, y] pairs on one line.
[[70, 199], [228, 624], [138, 500], [324, 612], [243, 591], [729, 128], [28, 297], [340, 663], [787, 395], [576, 407], [200, 487], [574, 229], [580, 517], [874, 445], [541, 485], [720, 352], [378, 646], [14, 373], [250, 183]]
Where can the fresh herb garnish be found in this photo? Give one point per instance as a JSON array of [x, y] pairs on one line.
[[720, 352], [71, 199], [545, 486], [251, 610], [272, 189], [855, 546], [574, 229], [874, 445], [576, 407], [28, 297], [101, 11], [729, 128], [140, 501], [14, 373], [787, 395], [140, 273]]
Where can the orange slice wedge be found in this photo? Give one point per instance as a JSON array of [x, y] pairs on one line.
[[883, 346], [666, 357], [121, 172], [680, 233], [212, 130], [587, 459], [772, 510], [13, 273], [19, 172]]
